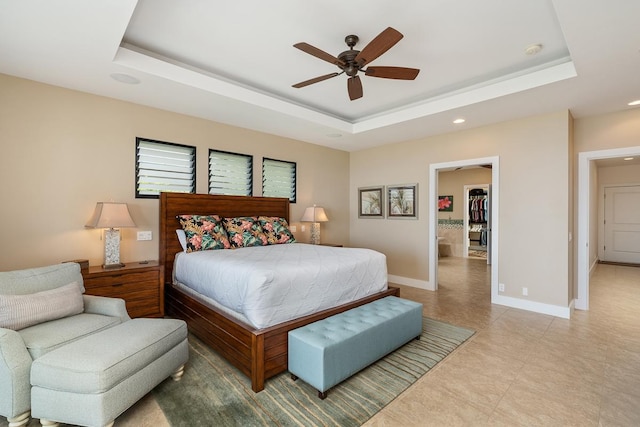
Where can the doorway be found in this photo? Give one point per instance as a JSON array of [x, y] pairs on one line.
[[434, 169], [587, 215]]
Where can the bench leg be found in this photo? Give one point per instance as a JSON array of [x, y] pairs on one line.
[[48, 423], [19, 420], [418, 338], [177, 375], [322, 395]]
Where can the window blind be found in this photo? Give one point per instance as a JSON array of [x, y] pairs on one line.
[[279, 179], [164, 166], [230, 173]]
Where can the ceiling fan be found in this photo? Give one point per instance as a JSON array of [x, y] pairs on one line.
[[352, 61]]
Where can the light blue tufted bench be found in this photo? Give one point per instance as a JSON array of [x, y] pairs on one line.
[[326, 352]]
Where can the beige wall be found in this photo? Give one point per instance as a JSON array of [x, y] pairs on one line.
[[619, 175], [571, 194], [534, 202], [453, 182], [62, 151], [615, 130]]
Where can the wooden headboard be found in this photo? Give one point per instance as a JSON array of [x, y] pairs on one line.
[[173, 204]]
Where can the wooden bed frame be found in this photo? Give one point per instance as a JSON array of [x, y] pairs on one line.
[[258, 353]]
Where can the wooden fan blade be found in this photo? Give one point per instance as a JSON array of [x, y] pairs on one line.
[[400, 73], [321, 54], [315, 80], [354, 87], [376, 47]]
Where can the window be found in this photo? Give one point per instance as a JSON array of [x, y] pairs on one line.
[[230, 173], [164, 166], [279, 179]]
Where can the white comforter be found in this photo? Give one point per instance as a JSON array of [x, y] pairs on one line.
[[272, 284]]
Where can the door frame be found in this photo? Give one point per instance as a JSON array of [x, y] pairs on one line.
[[434, 168], [584, 186]]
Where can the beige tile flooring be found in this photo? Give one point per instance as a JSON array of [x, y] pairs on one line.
[[528, 369], [521, 368]]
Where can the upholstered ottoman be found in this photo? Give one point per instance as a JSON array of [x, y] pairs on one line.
[[95, 379], [326, 352]]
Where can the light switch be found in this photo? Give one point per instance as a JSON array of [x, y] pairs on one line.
[[145, 235]]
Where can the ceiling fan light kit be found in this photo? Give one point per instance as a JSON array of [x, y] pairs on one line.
[[352, 61]]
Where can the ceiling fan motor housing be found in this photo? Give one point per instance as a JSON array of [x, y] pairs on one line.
[[351, 67]]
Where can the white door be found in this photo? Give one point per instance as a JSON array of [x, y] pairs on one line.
[[622, 224]]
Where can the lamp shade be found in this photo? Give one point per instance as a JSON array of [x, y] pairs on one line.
[[110, 215], [314, 214]]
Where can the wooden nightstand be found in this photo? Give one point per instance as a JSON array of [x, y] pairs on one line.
[[140, 285], [335, 245]]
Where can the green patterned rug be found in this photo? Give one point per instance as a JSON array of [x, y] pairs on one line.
[[214, 393]]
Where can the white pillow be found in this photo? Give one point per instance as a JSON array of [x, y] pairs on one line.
[[21, 311], [182, 238]]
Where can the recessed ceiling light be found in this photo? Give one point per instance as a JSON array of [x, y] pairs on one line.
[[125, 78], [533, 49], [628, 158], [633, 103], [458, 121]]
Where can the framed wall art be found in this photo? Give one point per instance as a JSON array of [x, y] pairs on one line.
[[445, 203], [402, 201], [371, 202]]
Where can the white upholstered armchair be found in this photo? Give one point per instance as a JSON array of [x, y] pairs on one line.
[[42, 309]]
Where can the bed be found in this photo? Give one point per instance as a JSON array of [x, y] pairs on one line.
[[259, 353]]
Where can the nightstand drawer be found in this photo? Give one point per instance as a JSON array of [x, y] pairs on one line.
[[135, 290], [118, 279]]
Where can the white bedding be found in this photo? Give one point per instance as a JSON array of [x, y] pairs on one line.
[[272, 284]]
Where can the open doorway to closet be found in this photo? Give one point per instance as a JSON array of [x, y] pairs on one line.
[[448, 228], [477, 221], [463, 211]]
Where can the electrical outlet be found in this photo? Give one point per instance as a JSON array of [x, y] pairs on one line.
[[525, 291], [303, 227], [293, 228], [501, 287], [145, 235]]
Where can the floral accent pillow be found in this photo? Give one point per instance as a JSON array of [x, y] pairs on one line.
[[245, 231], [204, 232], [276, 229]]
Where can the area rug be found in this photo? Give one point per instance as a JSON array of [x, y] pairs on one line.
[[214, 393]]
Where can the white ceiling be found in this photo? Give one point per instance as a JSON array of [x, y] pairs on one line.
[[234, 62]]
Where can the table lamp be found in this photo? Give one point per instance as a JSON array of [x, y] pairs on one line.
[[315, 215], [111, 217]]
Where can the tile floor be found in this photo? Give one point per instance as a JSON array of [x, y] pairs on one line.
[[528, 369], [521, 368]]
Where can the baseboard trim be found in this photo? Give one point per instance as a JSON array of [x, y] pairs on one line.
[[407, 281], [537, 307], [593, 266]]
